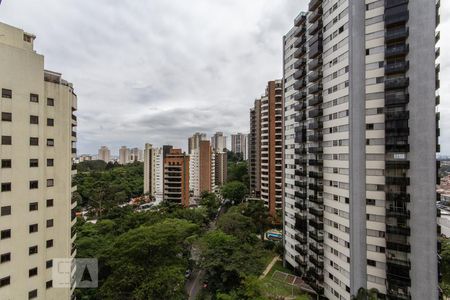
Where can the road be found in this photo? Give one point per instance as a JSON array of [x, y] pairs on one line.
[[195, 283]]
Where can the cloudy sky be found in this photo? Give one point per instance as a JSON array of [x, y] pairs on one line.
[[158, 70]]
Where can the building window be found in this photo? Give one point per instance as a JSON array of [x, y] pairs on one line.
[[6, 140], [6, 163], [34, 163], [50, 122], [34, 206], [34, 184], [34, 120], [49, 243], [5, 281], [5, 234], [5, 211], [6, 116], [49, 223], [32, 294], [50, 142], [49, 202], [34, 98], [6, 187], [50, 102], [33, 228], [50, 162], [32, 272], [49, 264], [33, 250], [49, 284], [34, 141], [5, 258], [6, 93], [50, 182]]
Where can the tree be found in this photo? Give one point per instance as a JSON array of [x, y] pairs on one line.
[[364, 294], [238, 225], [211, 202], [445, 266], [260, 215], [234, 191], [238, 172]]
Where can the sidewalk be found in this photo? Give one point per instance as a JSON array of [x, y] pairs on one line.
[[269, 267]]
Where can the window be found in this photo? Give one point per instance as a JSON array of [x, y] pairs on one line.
[[6, 163], [32, 272], [371, 263], [50, 162], [33, 228], [32, 294], [5, 234], [49, 243], [50, 142], [34, 184], [6, 93], [49, 223], [50, 102], [5, 258], [34, 141], [6, 116], [5, 211], [49, 284], [5, 281], [34, 120], [6, 187], [34, 206], [34, 98], [34, 163], [50, 182], [50, 122], [6, 140], [32, 250], [49, 202], [49, 264]]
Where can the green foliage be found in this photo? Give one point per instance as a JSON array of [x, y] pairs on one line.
[[234, 191], [364, 294], [211, 202], [445, 266], [238, 225], [103, 189], [238, 171], [91, 165], [260, 215]]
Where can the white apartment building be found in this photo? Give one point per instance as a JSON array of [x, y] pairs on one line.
[[124, 155], [194, 141], [360, 148], [202, 170], [154, 172], [38, 148], [219, 142], [239, 144], [104, 154]]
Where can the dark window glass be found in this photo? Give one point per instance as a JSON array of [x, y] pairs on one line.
[[6, 116], [49, 264], [34, 206], [50, 122], [33, 228], [33, 250], [34, 184], [5, 234], [6, 163], [34, 141], [6, 140], [32, 294], [50, 223], [49, 243], [6, 93], [5, 281], [50, 182], [5, 258], [50, 162], [6, 187], [50, 102], [49, 284], [50, 142], [34, 98], [34, 163], [34, 120], [5, 210], [49, 202]]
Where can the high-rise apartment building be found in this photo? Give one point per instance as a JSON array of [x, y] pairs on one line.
[[176, 177], [38, 148], [104, 154], [221, 168], [153, 172], [124, 155], [239, 144], [136, 154], [219, 142], [194, 141], [166, 150], [360, 144], [202, 169], [254, 149], [271, 149]]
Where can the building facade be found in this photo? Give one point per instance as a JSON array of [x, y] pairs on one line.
[[153, 172], [219, 142], [38, 148], [360, 171], [254, 149], [194, 141], [124, 155], [239, 144], [221, 168], [176, 178], [202, 169], [104, 154]]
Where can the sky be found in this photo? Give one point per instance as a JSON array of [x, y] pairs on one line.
[[156, 71]]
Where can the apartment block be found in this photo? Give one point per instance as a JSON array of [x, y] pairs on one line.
[[360, 140], [104, 154], [194, 141], [219, 142], [254, 147], [202, 169], [176, 177], [153, 172], [38, 148], [221, 168], [124, 155], [239, 144]]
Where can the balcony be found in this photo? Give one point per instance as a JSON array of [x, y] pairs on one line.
[[300, 96], [392, 3], [316, 224], [397, 147], [314, 76], [396, 99], [393, 19], [317, 99], [398, 197], [300, 173], [300, 63], [395, 132], [316, 49], [318, 251], [300, 223], [313, 4], [314, 64], [301, 239], [298, 85], [300, 107], [303, 185], [301, 19], [300, 195], [396, 83], [316, 88], [301, 206], [315, 137], [397, 34], [315, 175], [300, 138], [398, 213], [396, 67], [316, 112], [315, 15], [318, 238], [318, 264], [300, 31], [299, 74], [315, 28], [316, 212], [315, 150], [300, 151], [300, 118], [397, 115], [397, 180], [315, 162], [397, 164], [299, 52], [299, 42], [301, 250], [402, 247], [315, 199], [396, 51]]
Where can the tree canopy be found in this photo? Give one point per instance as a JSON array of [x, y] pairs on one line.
[[234, 191]]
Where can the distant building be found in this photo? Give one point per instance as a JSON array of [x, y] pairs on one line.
[[239, 144], [136, 154], [84, 158], [153, 172], [219, 142], [254, 149], [124, 155], [104, 154], [176, 177], [221, 168], [194, 141], [202, 169], [166, 150]]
